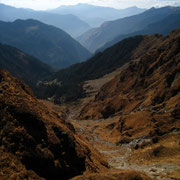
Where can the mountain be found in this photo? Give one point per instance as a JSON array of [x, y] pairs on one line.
[[138, 109], [164, 27], [69, 23], [141, 104], [96, 15], [23, 66], [102, 63], [71, 78], [36, 142], [47, 43], [97, 37], [150, 82]]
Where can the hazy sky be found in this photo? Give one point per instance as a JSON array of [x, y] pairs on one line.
[[49, 4]]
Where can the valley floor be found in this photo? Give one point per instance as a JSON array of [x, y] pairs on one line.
[[158, 160], [125, 156]]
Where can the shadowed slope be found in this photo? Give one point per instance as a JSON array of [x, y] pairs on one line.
[[38, 141], [47, 43], [23, 66]]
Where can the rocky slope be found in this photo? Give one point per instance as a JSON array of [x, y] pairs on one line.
[[97, 37], [35, 142], [145, 95], [47, 43], [23, 66]]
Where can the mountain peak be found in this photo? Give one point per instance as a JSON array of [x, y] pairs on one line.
[[133, 7]]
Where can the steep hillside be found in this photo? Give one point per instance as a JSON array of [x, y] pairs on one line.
[[68, 82], [35, 142], [23, 66], [164, 27], [97, 37], [96, 15], [145, 95], [134, 119], [48, 43], [71, 79], [69, 23]]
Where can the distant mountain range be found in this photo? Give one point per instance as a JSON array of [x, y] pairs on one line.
[[69, 23], [98, 37], [96, 15], [23, 66], [164, 27], [47, 43]]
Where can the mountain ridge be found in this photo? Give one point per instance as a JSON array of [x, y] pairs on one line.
[[96, 67], [69, 23], [45, 42], [96, 15], [164, 27], [152, 80], [97, 37]]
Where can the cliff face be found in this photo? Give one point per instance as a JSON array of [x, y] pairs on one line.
[[146, 92], [35, 142]]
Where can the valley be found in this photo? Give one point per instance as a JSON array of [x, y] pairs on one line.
[[90, 92], [124, 126], [125, 156], [134, 131]]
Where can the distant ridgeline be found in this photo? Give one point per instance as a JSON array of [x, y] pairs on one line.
[[160, 20], [164, 27], [96, 15], [47, 43], [67, 22]]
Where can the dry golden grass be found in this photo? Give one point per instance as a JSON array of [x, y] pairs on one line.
[[167, 150]]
